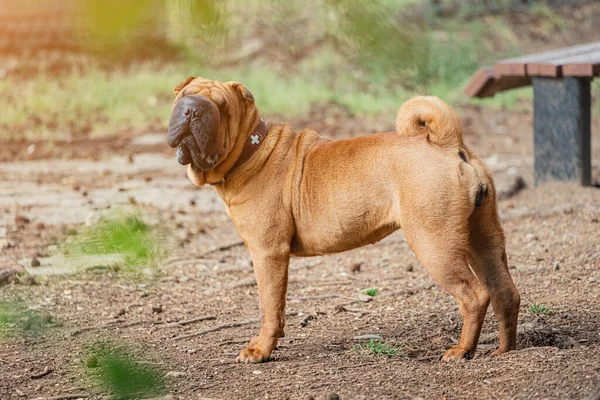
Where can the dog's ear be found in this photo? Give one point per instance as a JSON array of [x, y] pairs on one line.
[[183, 84], [246, 94]]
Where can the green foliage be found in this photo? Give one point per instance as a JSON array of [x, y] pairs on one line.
[[375, 42], [118, 371], [93, 102], [114, 20], [367, 32], [122, 233], [368, 56], [123, 30], [204, 25], [100, 102], [16, 320], [448, 60], [377, 348], [371, 292], [550, 20], [539, 309]]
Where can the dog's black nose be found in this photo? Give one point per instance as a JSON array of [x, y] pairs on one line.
[[188, 111]]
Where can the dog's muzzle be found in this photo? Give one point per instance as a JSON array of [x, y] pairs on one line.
[[194, 132]]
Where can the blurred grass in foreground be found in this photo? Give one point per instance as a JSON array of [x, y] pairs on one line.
[[17, 320], [125, 234], [121, 373]]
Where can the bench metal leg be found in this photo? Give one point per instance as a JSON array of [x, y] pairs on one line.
[[561, 130]]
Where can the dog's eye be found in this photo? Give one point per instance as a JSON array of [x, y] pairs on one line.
[[463, 156]]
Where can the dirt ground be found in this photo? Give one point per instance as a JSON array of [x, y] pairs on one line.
[[553, 235]]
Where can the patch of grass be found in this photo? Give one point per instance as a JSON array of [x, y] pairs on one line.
[[120, 372], [377, 348], [371, 292], [93, 102], [101, 103], [124, 234], [17, 320], [539, 309]]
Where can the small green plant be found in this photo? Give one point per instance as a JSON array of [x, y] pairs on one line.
[[18, 320], [123, 234], [377, 348], [539, 309], [371, 292], [117, 371]]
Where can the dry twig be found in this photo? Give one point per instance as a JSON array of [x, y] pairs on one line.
[[222, 248], [368, 364], [528, 349], [226, 326], [228, 342], [203, 255], [47, 370], [65, 396], [354, 310], [319, 297], [187, 321], [113, 324]]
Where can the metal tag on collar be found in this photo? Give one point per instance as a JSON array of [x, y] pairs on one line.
[[255, 138]]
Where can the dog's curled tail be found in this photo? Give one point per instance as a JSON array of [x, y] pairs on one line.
[[430, 116]]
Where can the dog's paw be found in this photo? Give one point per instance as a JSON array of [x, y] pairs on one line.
[[258, 351], [252, 355], [457, 354], [500, 350]]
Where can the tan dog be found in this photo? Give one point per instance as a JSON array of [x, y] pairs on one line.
[[301, 194]]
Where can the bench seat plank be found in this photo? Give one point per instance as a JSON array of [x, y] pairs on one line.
[[517, 66], [555, 68], [578, 61], [484, 84]]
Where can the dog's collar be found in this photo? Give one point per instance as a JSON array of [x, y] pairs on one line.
[[251, 144]]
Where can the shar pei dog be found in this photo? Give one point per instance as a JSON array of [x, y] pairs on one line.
[[297, 193]]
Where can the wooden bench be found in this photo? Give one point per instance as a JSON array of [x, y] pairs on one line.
[[561, 106]]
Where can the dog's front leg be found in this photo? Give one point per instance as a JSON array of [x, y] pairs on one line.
[[271, 270]]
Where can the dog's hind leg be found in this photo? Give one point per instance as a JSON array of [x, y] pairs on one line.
[[443, 254], [487, 257]]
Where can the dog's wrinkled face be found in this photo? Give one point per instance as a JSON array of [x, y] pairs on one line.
[[206, 119]]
